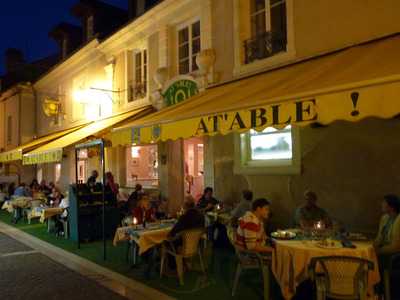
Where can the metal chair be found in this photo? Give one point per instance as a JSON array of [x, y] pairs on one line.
[[250, 260], [340, 277], [392, 271], [189, 249]]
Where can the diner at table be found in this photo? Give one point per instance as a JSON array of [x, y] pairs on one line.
[[310, 213]]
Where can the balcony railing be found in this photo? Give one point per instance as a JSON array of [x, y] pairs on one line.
[[138, 91], [263, 45]]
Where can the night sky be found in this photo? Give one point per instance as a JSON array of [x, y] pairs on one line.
[[25, 24]]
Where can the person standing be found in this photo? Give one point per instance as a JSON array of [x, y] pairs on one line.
[[91, 182]]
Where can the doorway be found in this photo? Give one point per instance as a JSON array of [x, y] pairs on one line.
[[194, 167]]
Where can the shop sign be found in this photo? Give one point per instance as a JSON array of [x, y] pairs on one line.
[[180, 89]]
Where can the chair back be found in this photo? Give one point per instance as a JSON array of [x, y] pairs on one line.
[[190, 241], [344, 277]]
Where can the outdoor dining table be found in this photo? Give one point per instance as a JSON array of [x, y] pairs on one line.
[[143, 238], [49, 212], [292, 257]]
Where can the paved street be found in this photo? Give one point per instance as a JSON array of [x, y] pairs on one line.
[[27, 274]]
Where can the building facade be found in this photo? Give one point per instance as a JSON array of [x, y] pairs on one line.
[[205, 43]]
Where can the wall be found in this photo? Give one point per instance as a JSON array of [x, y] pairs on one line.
[[12, 109], [349, 165], [342, 23]]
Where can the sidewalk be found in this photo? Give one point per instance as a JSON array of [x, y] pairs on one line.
[[115, 282]]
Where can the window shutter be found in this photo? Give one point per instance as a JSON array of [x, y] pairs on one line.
[[129, 74]]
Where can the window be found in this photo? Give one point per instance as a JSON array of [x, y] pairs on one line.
[[39, 174], [142, 165], [269, 151], [139, 89], [89, 27], [268, 29], [189, 46], [9, 130], [57, 173], [271, 144]]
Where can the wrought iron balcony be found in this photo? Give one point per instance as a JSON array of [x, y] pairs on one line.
[[138, 90], [264, 45]]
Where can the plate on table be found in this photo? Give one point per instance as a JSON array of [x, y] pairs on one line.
[[283, 235], [328, 244]]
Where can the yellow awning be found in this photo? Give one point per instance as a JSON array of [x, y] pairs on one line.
[[357, 82], [52, 152], [16, 154]]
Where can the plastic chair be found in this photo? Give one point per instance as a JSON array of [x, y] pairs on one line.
[[189, 249], [340, 277], [250, 260], [391, 271]]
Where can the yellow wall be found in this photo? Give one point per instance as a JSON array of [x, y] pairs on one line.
[[322, 25]]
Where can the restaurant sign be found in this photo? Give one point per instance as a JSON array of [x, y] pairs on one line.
[[180, 89], [350, 105], [44, 157]]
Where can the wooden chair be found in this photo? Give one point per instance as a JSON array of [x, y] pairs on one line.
[[340, 277], [392, 271], [189, 249], [250, 260]]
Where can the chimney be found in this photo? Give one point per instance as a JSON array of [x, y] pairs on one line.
[[136, 8], [14, 59]]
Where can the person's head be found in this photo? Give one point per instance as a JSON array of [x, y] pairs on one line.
[[144, 202], [95, 174], [51, 185], [247, 195], [260, 208], [189, 203], [208, 192], [391, 204], [311, 198], [138, 187], [43, 183], [22, 184]]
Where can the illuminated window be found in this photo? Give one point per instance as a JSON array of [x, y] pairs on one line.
[[39, 174], [189, 46], [270, 151], [142, 165], [271, 144], [57, 173]]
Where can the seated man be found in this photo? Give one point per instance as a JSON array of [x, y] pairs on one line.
[[243, 206], [207, 202], [310, 213], [190, 219], [250, 234]]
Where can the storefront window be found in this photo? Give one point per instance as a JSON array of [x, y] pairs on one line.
[[142, 165]]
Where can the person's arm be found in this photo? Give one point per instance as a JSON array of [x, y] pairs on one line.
[[394, 245], [378, 238]]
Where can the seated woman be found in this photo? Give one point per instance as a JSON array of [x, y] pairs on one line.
[[387, 242], [143, 212]]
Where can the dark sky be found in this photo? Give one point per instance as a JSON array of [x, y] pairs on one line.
[[25, 24]]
